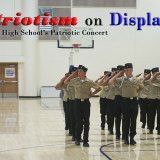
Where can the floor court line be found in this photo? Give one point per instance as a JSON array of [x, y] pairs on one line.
[[107, 145]]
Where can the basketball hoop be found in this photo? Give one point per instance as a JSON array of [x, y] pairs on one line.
[[76, 47]]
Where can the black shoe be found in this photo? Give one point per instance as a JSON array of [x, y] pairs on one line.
[[81, 140], [73, 139], [102, 128], [117, 137], [85, 144], [126, 141], [158, 132], [132, 142], [70, 134], [150, 132], [143, 125], [77, 142], [66, 128], [110, 133]]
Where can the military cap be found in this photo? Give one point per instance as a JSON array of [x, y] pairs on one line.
[[114, 69], [156, 69], [109, 74], [147, 71], [105, 72], [71, 68], [82, 68], [74, 69], [128, 65], [120, 67]]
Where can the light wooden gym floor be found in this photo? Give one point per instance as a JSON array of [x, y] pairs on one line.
[[33, 129]]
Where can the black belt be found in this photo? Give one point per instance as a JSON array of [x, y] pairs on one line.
[[143, 98], [131, 98], [82, 100], [118, 96]]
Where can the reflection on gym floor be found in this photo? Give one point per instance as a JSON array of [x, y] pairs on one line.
[[33, 129], [9, 112]]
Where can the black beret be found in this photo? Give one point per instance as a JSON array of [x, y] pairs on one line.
[[147, 71], [128, 65], [109, 74], [156, 69], [71, 68], [106, 72], [74, 68], [113, 69], [120, 67], [82, 68]]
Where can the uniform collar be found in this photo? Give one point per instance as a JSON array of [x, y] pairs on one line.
[[84, 80]]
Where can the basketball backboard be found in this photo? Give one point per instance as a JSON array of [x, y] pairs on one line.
[[69, 37]]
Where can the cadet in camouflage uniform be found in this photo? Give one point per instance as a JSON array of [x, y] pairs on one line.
[[71, 97], [130, 88], [110, 102], [60, 85], [154, 100], [143, 98], [118, 101], [83, 92], [103, 100]]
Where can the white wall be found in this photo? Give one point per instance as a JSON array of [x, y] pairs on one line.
[[10, 48], [123, 44], [54, 62], [109, 51], [7, 7], [147, 42]]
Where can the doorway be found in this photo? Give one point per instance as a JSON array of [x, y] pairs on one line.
[[8, 80]]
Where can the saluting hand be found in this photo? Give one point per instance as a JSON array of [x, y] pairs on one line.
[[101, 77], [148, 76], [74, 74], [157, 74], [120, 72]]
